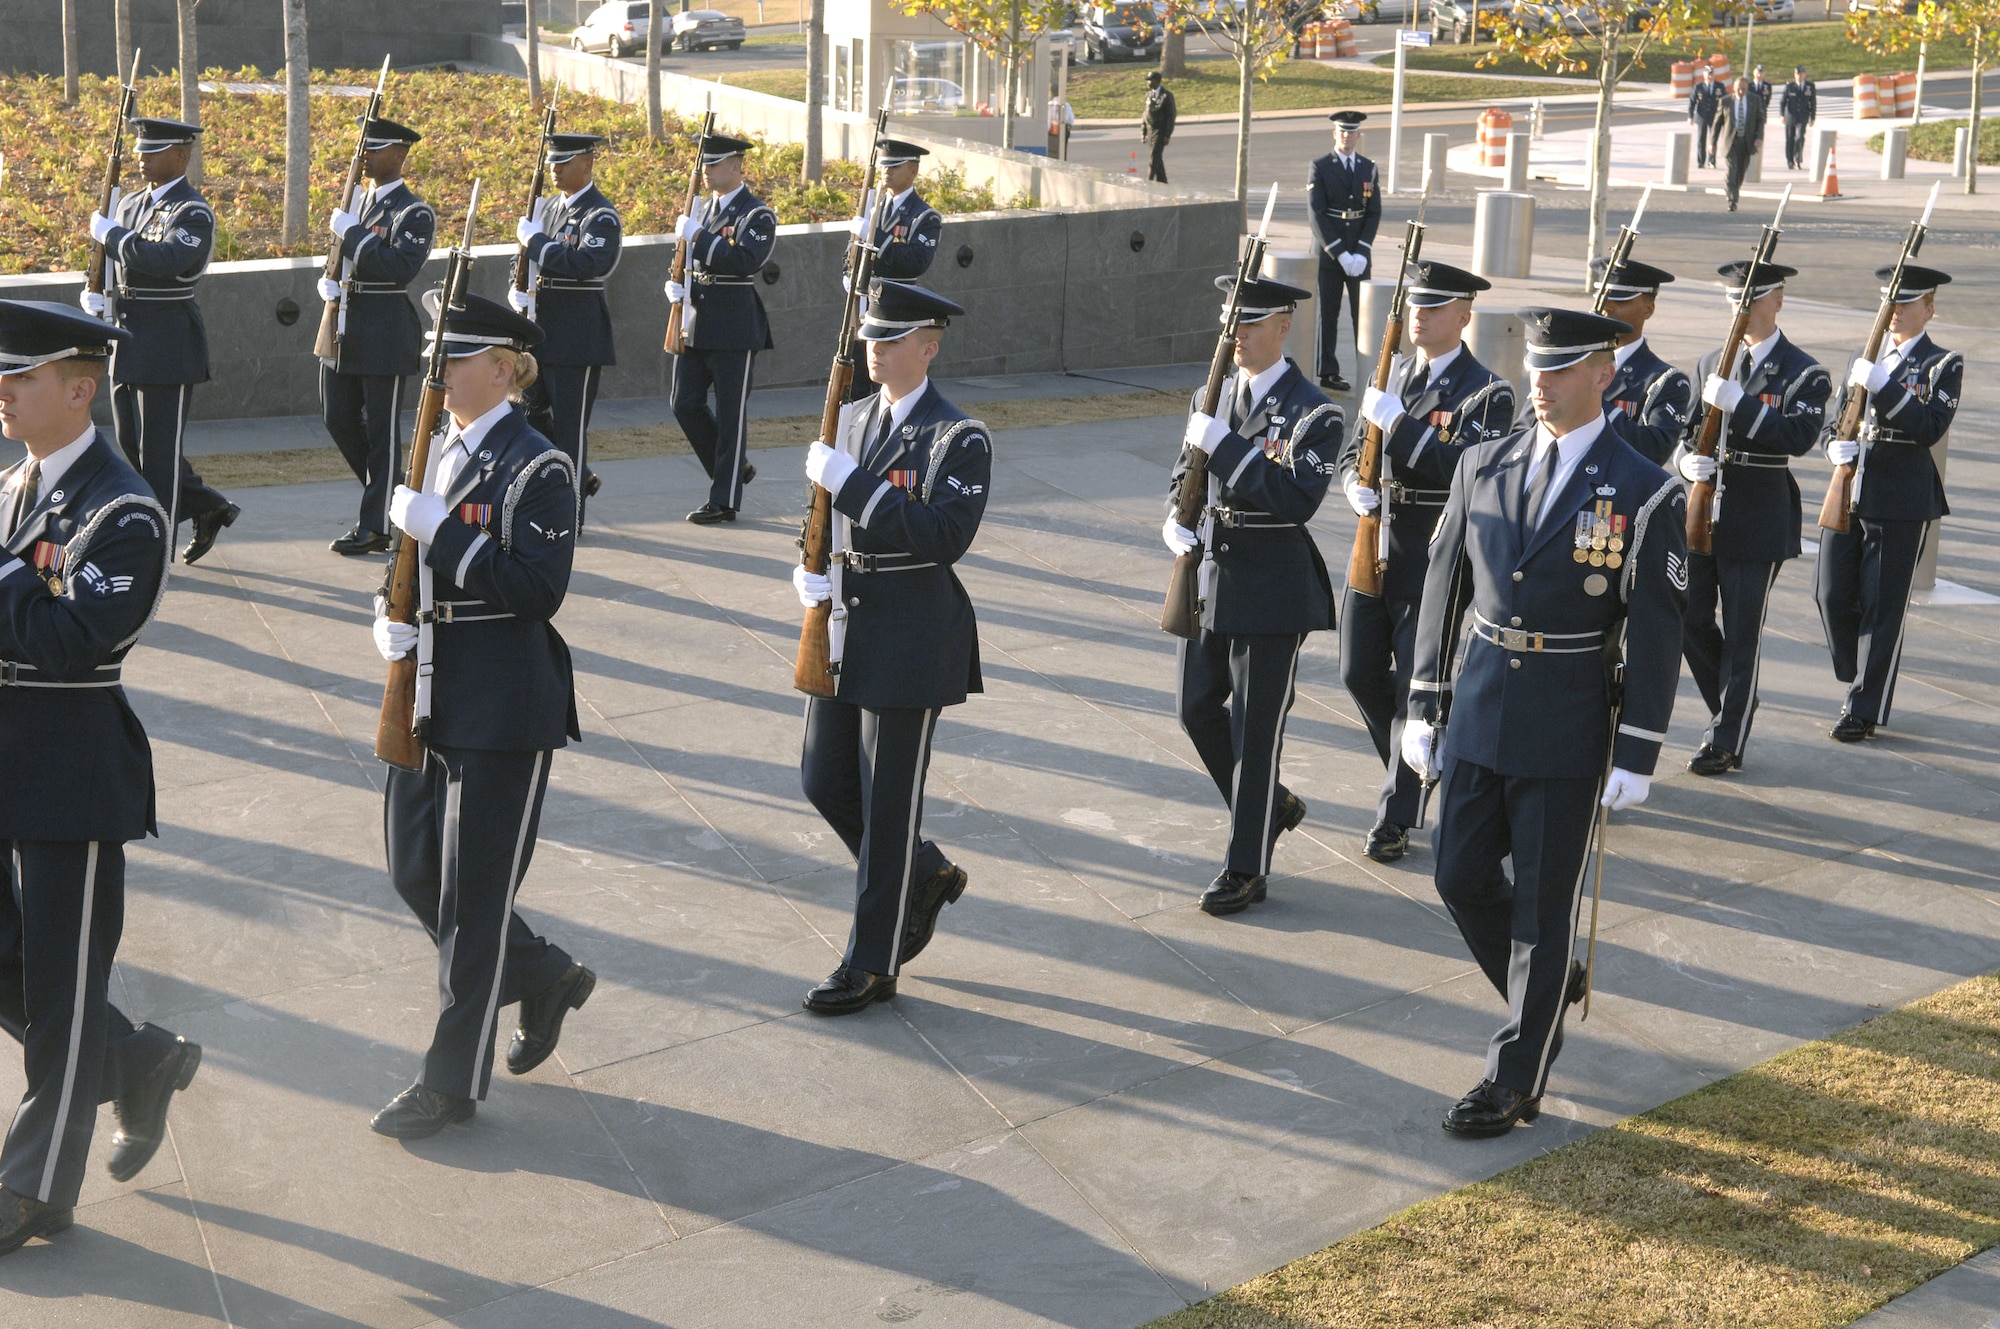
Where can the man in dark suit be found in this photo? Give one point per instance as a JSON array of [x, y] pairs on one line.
[[495, 524], [1440, 401], [1740, 135], [84, 547], [1799, 105], [1344, 206], [1156, 124], [908, 478], [728, 245], [383, 245], [1773, 396], [1270, 454], [1568, 548], [1702, 101], [1649, 400], [157, 246], [1863, 579]]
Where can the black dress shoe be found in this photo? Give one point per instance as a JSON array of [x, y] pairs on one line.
[[142, 1111], [22, 1219], [542, 1015], [420, 1112], [207, 526], [1852, 729], [708, 514], [927, 901], [1712, 760], [1232, 893], [1336, 384], [1490, 1110], [1291, 813], [1579, 980], [591, 484], [749, 472], [846, 991], [361, 541], [1387, 842]]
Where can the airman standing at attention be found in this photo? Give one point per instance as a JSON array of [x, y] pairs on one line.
[[1344, 205]]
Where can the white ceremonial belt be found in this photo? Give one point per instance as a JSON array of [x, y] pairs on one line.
[[1524, 642]]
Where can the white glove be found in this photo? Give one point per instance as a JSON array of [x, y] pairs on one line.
[[1626, 790], [1381, 409], [522, 301], [1842, 451], [676, 293], [1697, 469], [1721, 393], [828, 467], [417, 515], [1179, 539], [394, 640], [813, 587], [1868, 374], [686, 227], [1417, 740], [1204, 432], [1363, 501], [859, 226], [1354, 264], [526, 229], [342, 222], [95, 304], [846, 284], [100, 226]]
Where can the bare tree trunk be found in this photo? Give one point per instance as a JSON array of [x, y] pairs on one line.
[[1978, 79], [121, 31], [1173, 53], [190, 84], [656, 128], [69, 51], [1011, 78], [815, 90], [534, 35], [1246, 65], [298, 124], [1600, 144]]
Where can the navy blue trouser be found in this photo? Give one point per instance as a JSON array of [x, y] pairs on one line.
[[1335, 288], [1723, 653], [1233, 695], [864, 772], [149, 420], [1520, 932], [1378, 646], [461, 833], [363, 414], [1862, 584], [572, 395], [719, 434]]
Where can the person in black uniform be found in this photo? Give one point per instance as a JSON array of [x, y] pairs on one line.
[[906, 242], [1703, 98], [728, 244], [1569, 549], [383, 247], [1863, 579], [157, 244], [1760, 88], [909, 484], [1263, 584], [1649, 400], [1344, 203], [84, 548], [1798, 104], [1739, 135], [1439, 402], [496, 522], [1156, 125], [1775, 398], [574, 242]]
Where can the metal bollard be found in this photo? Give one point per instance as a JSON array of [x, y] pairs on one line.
[[1822, 148], [1754, 172], [1500, 342], [1377, 294], [1961, 143], [1535, 122], [1517, 163], [1503, 234], [1679, 143], [1299, 268], [1434, 159], [1895, 151]]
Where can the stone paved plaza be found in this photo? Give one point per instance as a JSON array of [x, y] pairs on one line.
[[1090, 1103]]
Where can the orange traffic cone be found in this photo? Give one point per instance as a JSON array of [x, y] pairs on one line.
[[1829, 186]]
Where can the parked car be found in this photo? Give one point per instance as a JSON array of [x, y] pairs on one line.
[[703, 29], [1127, 30], [1576, 20], [925, 94], [1451, 20], [616, 27]]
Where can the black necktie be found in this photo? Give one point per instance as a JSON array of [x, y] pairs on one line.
[[1538, 491], [26, 492], [882, 434], [1240, 411], [1418, 382]]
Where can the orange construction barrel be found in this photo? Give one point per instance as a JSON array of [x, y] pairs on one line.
[[1865, 94], [1493, 126], [1683, 79]]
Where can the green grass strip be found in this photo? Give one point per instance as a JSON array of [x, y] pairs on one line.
[[1937, 140], [1119, 91], [1798, 1194]]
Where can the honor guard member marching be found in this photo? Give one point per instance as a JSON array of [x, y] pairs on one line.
[[1775, 399], [1649, 400], [1567, 546], [156, 248], [1345, 204], [361, 389], [728, 244], [84, 549], [1263, 583], [574, 243], [907, 241], [1799, 105], [909, 483], [496, 524], [1863, 579], [1440, 402]]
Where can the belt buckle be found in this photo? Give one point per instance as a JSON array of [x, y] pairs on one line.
[[1521, 640], [1226, 517], [10, 673]]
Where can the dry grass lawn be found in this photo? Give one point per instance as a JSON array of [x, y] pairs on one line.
[[1798, 1194]]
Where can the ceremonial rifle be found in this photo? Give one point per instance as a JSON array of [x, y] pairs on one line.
[[677, 315], [521, 263], [1181, 615], [1705, 499], [399, 732], [1843, 491], [1621, 249], [814, 672], [1370, 558], [327, 345], [114, 165]]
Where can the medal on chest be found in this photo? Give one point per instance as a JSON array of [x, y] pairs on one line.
[[1273, 441], [1599, 536], [1631, 408], [1440, 420], [1774, 400], [47, 559], [904, 479], [476, 514]]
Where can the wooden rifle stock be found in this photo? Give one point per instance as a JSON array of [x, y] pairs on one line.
[[1366, 564], [114, 166], [327, 344], [521, 263], [676, 333]]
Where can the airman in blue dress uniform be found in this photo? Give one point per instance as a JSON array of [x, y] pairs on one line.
[[1439, 402], [906, 243], [1775, 398], [1344, 205], [1649, 401], [728, 245], [909, 479], [383, 247], [1862, 582], [1271, 454], [496, 526], [1569, 550], [84, 548]]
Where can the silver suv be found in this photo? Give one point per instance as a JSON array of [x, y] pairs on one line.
[[617, 27]]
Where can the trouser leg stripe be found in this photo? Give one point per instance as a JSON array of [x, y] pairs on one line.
[[481, 1068], [910, 839], [75, 1018]]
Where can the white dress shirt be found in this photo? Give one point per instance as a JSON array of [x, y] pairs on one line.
[[459, 448], [1569, 450]]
